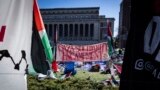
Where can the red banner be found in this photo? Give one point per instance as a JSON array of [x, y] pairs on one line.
[[95, 52]]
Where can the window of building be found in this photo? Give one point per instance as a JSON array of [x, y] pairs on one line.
[[101, 34], [76, 30], [101, 25], [86, 30], [66, 30], [96, 11], [111, 24], [81, 30], [91, 29], [54, 33], [46, 27], [50, 30], [105, 24], [71, 30], [60, 30], [55, 26]]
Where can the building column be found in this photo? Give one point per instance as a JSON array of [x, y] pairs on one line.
[[57, 32], [73, 31], [52, 31], [96, 33]]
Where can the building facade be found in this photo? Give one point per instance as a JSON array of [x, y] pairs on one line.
[[124, 22], [78, 26]]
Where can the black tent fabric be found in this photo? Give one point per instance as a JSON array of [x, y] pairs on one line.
[[141, 70], [38, 56]]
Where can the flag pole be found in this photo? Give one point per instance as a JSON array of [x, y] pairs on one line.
[[54, 63]]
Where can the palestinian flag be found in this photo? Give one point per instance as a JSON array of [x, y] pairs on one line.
[[42, 32], [41, 49], [109, 38]]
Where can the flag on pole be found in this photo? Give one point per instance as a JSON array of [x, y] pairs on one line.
[[54, 63], [109, 38], [40, 49], [42, 32], [56, 35]]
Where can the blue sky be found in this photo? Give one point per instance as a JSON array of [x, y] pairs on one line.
[[110, 8]]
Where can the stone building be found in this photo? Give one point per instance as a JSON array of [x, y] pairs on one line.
[[124, 22], [78, 26]]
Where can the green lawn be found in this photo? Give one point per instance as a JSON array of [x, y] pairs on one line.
[[96, 76], [77, 82]]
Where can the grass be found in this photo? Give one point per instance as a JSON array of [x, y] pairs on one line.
[[96, 76], [78, 82]]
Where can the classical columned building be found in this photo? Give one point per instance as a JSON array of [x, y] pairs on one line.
[[76, 25]]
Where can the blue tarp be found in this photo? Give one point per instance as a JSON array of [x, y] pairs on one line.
[[69, 67]]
